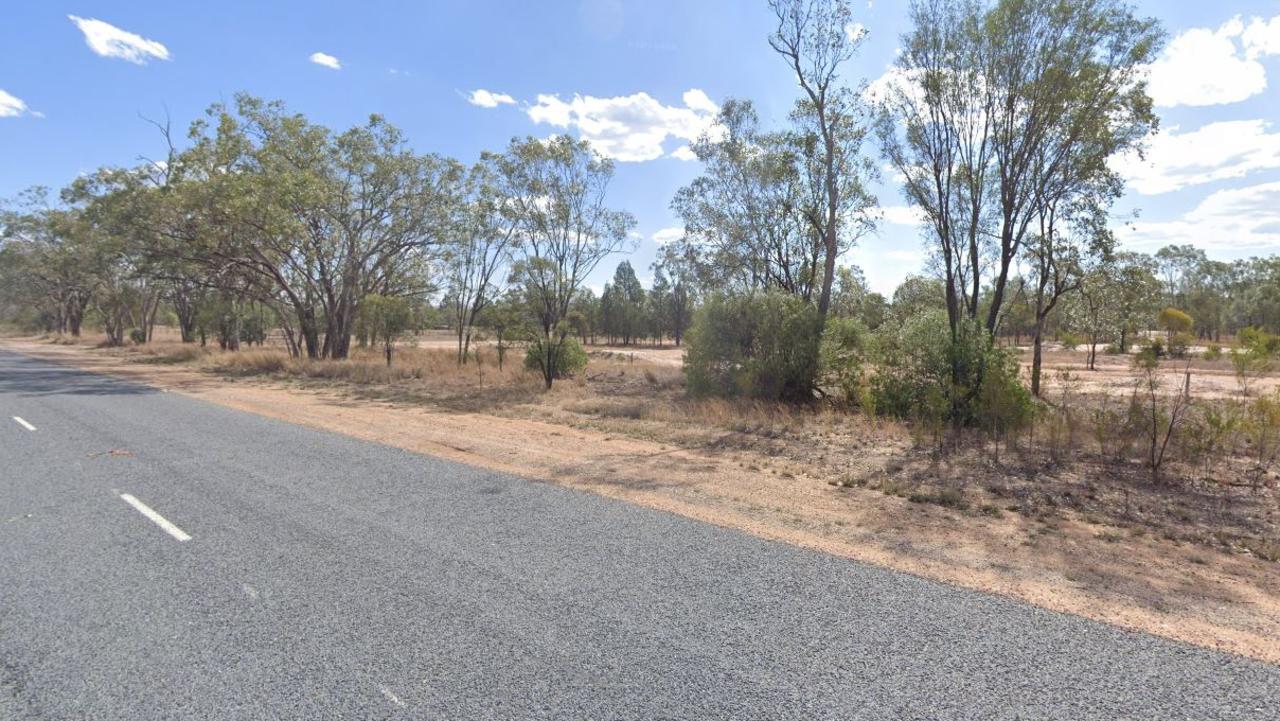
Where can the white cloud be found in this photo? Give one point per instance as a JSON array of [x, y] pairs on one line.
[[668, 235], [1203, 66], [1217, 151], [630, 128], [110, 41], [326, 60], [1235, 219], [1262, 37], [903, 215], [684, 152], [12, 106], [487, 99]]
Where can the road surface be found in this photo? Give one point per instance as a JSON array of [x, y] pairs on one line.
[[165, 558]]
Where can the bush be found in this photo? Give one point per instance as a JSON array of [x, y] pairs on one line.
[[1260, 342], [138, 336], [1180, 344], [1071, 341], [763, 346], [840, 355], [569, 358], [1174, 321], [914, 377], [1213, 352]]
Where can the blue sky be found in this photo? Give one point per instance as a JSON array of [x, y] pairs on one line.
[[639, 77]]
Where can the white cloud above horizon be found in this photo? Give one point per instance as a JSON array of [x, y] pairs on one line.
[[1228, 220], [1204, 66], [325, 60], [1227, 150], [630, 128], [489, 99], [109, 41]]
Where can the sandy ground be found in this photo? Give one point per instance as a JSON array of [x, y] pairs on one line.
[[1180, 591]]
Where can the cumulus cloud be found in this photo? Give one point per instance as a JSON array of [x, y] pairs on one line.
[[110, 41], [12, 106], [487, 99], [1217, 151], [630, 128], [326, 60], [668, 235], [1235, 219], [1204, 66]]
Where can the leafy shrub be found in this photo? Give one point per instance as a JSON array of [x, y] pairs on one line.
[[1071, 341], [840, 356], [138, 336], [569, 358], [762, 346], [1213, 352], [1260, 342], [1180, 344], [1174, 321], [922, 374]]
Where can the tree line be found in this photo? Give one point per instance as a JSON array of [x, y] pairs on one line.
[[269, 219]]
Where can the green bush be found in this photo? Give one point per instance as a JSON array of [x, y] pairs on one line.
[[1071, 341], [762, 346], [840, 356], [1260, 342], [138, 336], [569, 357], [921, 374], [1212, 352], [1180, 344]]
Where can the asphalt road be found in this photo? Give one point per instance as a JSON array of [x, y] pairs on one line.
[[329, 578]]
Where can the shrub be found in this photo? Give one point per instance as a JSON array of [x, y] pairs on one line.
[[1213, 352], [840, 356], [1260, 342], [922, 374], [763, 346], [1180, 344], [138, 336], [1071, 341], [569, 358], [1174, 321]]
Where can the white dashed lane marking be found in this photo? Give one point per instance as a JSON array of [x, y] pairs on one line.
[[156, 518]]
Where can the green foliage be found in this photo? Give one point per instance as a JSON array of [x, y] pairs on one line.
[[1212, 352], [385, 318], [761, 346], [562, 359], [1071, 341], [1174, 321], [1180, 344], [840, 357], [923, 375], [1260, 342]]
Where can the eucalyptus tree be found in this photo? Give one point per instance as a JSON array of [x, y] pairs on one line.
[[479, 249], [322, 219], [557, 190], [815, 38], [996, 111], [742, 217], [50, 261]]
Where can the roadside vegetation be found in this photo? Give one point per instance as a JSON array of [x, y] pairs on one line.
[[1035, 368]]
